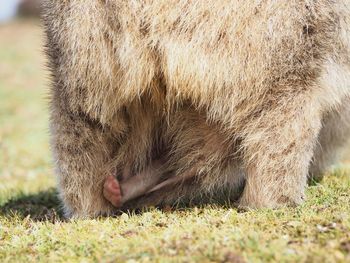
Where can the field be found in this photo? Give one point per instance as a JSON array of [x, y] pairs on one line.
[[32, 227]]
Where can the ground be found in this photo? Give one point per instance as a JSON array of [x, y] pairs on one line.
[[32, 227]]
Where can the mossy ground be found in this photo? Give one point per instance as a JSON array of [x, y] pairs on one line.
[[32, 227]]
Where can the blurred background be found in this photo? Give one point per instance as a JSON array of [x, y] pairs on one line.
[[10, 8], [25, 163]]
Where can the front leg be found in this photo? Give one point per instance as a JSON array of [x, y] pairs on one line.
[[83, 153], [278, 146]]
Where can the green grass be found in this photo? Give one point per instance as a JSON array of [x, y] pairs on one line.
[[32, 227]]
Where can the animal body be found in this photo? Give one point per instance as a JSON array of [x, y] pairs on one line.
[[156, 101]]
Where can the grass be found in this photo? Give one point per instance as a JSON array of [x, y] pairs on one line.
[[32, 227]]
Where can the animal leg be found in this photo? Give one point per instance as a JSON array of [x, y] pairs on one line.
[[278, 147]]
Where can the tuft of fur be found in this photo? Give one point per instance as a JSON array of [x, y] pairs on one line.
[[227, 93]]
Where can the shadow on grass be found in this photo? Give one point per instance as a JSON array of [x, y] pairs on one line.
[[45, 206], [42, 206]]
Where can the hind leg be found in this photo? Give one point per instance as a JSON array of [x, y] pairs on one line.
[[333, 138], [83, 153], [278, 146]]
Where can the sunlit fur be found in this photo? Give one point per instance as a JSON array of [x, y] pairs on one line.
[[226, 92]]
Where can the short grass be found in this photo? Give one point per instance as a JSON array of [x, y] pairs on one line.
[[33, 229]]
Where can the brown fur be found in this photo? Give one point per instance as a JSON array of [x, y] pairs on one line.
[[224, 91]]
